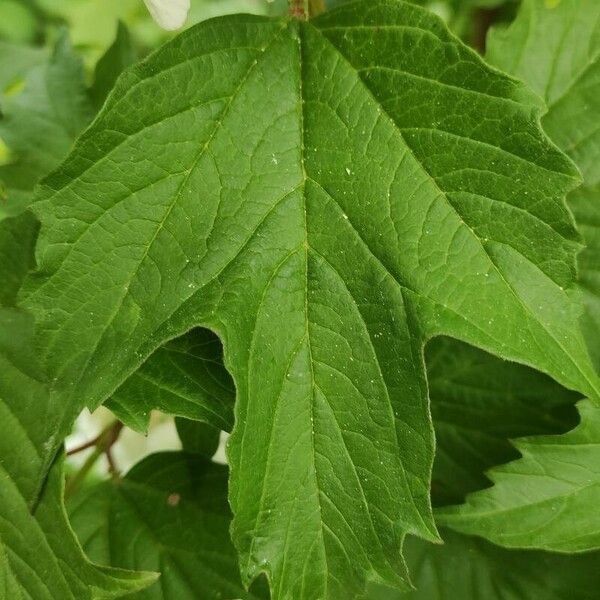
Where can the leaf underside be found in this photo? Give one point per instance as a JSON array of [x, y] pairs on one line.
[[186, 378], [325, 209]]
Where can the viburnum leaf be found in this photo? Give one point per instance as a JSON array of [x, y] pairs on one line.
[[469, 568], [39, 556], [353, 187], [555, 48], [185, 377], [478, 403], [168, 514], [547, 499]]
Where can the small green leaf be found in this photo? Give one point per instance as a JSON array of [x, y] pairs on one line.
[[468, 568], [185, 377], [168, 514], [198, 438], [547, 499], [355, 186], [478, 403]]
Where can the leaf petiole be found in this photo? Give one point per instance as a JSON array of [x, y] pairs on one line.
[[304, 9], [103, 444]]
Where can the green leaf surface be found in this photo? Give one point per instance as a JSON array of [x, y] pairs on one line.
[[120, 55], [547, 499], [325, 209], [44, 108], [480, 402], [468, 568], [168, 514], [197, 437], [555, 48], [39, 556], [17, 241], [185, 377]]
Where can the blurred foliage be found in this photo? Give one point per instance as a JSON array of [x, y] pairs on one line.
[[92, 24]]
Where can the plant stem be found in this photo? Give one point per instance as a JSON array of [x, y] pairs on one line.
[[75, 482], [103, 444], [83, 447], [299, 8]]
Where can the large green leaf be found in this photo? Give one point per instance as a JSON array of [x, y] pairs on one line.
[[168, 514], [353, 187], [478, 403], [197, 437], [185, 377], [468, 568], [39, 556], [547, 500]]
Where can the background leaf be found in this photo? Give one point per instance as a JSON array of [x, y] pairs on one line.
[[185, 377], [197, 437], [478, 403], [544, 500], [17, 241], [468, 568], [120, 55], [168, 514], [44, 107]]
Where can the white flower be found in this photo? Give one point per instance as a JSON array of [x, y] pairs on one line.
[[169, 14]]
